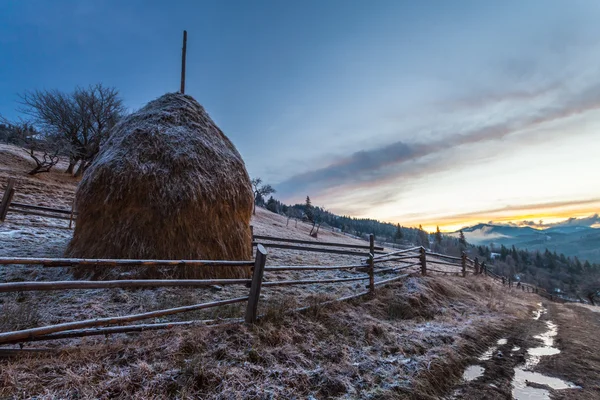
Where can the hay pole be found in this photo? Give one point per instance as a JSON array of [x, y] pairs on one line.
[[464, 264], [312, 267], [125, 283], [257, 277], [75, 333], [100, 262], [313, 249], [7, 197], [183, 56], [313, 281], [397, 252], [44, 330], [332, 244]]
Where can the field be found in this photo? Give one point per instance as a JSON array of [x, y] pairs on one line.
[[413, 339]]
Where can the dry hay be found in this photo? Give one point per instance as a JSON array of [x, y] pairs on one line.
[[168, 184]]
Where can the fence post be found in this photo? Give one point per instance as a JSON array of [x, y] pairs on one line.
[[257, 276], [9, 192], [483, 268], [476, 265], [464, 264], [371, 263], [71, 216], [423, 260]]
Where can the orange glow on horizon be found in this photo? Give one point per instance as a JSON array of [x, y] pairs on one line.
[[455, 223]]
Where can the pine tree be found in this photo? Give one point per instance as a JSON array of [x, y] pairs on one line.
[[461, 240], [438, 236], [399, 235], [308, 209]]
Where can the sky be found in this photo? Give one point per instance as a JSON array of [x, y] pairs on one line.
[[419, 113]]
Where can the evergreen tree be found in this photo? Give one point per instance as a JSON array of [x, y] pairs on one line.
[[308, 209], [399, 235], [462, 241], [438, 236], [272, 205]]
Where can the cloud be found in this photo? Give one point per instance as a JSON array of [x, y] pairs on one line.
[[394, 160]]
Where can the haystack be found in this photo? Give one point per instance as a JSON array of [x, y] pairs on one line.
[[168, 184]]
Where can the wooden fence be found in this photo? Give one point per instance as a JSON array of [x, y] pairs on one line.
[[372, 263], [7, 205], [368, 268]]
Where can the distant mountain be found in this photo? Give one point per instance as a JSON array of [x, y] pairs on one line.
[[573, 240]]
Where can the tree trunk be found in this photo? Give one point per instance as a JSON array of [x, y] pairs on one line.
[[83, 165]]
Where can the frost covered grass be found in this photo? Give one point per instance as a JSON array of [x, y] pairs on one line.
[[409, 341], [355, 349]]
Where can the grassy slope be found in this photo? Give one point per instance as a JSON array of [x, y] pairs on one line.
[[408, 341]]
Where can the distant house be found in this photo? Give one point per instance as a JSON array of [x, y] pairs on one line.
[[493, 256]]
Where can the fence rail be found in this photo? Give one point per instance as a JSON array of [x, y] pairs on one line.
[[404, 259], [7, 205]]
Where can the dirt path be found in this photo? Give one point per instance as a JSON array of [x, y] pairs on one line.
[[550, 356]]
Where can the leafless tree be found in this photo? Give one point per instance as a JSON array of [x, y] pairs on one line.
[[82, 118], [43, 149], [260, 191]]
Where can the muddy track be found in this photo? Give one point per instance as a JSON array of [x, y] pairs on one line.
[[508, 369]]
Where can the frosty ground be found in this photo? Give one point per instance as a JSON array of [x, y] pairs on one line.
[[412, 340]]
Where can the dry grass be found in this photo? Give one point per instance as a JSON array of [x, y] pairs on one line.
[[363, 348], [168, 184]]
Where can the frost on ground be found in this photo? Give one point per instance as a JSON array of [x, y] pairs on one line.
[[407, 341]]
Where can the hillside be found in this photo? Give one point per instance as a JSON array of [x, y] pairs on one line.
[[412, 339], [574, 240]]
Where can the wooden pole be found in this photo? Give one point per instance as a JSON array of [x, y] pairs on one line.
[[476, 265], [183, 54], [464, 264], [423, 259], [257, 277], [71, 216], [124, 283], [78, 262], [371, 263], [9, 192]]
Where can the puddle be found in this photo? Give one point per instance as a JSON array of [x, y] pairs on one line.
[[502, 342], [473, 372], [516, 348], [488, 354], [523, 377]]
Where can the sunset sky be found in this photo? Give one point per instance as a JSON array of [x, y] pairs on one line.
[[433, 112]]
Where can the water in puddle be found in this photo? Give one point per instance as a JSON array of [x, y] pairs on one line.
[[502, 342], [488, 354], [473, 372], [516, 348], [521, 389]]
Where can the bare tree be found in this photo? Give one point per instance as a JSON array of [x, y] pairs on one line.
[[82, 118], [43, 149], [260, 191]]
